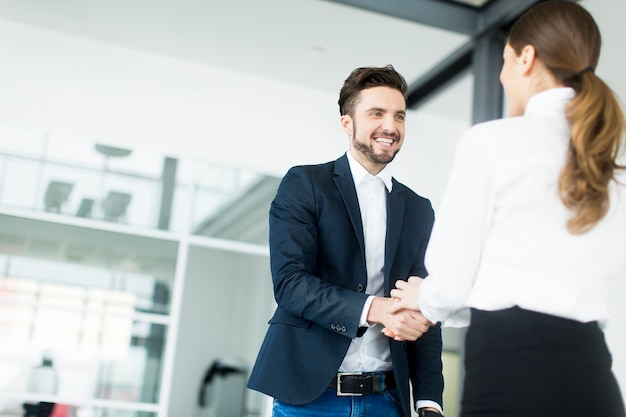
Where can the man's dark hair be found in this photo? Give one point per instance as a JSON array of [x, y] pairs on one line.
[[367, 77]]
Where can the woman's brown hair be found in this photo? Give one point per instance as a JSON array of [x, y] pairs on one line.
[[567, 40]]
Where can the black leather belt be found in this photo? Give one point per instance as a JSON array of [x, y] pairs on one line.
[[362, 383]]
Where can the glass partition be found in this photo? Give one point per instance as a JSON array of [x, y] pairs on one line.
[[90, 239], [232, 203], [92, 305], [75, 177]]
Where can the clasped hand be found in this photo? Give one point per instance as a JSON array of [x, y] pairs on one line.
[[405, 322]]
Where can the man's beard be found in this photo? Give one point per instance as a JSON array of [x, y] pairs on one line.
[[367, 150]]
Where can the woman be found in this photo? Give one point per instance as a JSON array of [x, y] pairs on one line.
[[531, 228]]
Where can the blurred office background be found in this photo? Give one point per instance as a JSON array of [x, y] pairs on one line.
[[140, 146]]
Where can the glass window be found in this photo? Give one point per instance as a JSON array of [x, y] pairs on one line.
[[231, 203], [91, 304], [88, 261], [72, 176]]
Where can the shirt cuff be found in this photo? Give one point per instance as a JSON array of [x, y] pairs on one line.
[[428, 403], [366, 309]]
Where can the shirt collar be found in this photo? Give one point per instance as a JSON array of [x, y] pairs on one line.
[[553, 100], [358, 173]]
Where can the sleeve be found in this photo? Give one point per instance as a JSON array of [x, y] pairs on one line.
[[426, 368], [424, 355], [295, 236], [460, 230]]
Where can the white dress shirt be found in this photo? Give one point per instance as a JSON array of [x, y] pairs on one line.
[[370, 352], [500, 238]]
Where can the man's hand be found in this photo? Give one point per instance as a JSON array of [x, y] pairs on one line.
[[401, 325]]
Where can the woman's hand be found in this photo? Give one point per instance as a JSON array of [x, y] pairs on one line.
[[406, 294]]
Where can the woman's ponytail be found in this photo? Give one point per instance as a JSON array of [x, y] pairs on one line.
[[598, 128]]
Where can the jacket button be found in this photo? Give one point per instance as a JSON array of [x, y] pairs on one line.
[[343, 329], [332, 326], [360, 287]]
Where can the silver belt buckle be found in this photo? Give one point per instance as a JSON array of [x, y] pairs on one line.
[[347, 394]]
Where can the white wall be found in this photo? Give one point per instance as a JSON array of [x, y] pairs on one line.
[[121, 96]]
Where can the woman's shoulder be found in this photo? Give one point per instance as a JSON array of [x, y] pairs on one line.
[[485, 135], [511, 131], [497, 127]]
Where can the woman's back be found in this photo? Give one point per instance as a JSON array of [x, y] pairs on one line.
[[530, 258]]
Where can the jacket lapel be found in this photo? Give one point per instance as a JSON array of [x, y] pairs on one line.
[[395, 214], [345, 184]]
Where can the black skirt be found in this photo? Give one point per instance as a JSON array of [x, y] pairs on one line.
[[520, 363]]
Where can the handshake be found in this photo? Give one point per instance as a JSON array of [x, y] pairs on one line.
[[400, 315]]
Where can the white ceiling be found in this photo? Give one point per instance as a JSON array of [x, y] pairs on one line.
[[312, 43]]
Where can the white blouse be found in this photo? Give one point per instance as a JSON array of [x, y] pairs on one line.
[[500, 237]]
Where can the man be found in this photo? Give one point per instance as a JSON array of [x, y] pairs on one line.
[[341, 233]]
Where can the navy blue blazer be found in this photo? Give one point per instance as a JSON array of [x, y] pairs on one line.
[[319, 275]]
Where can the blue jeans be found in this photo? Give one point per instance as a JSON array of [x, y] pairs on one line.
[[331, 405]]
